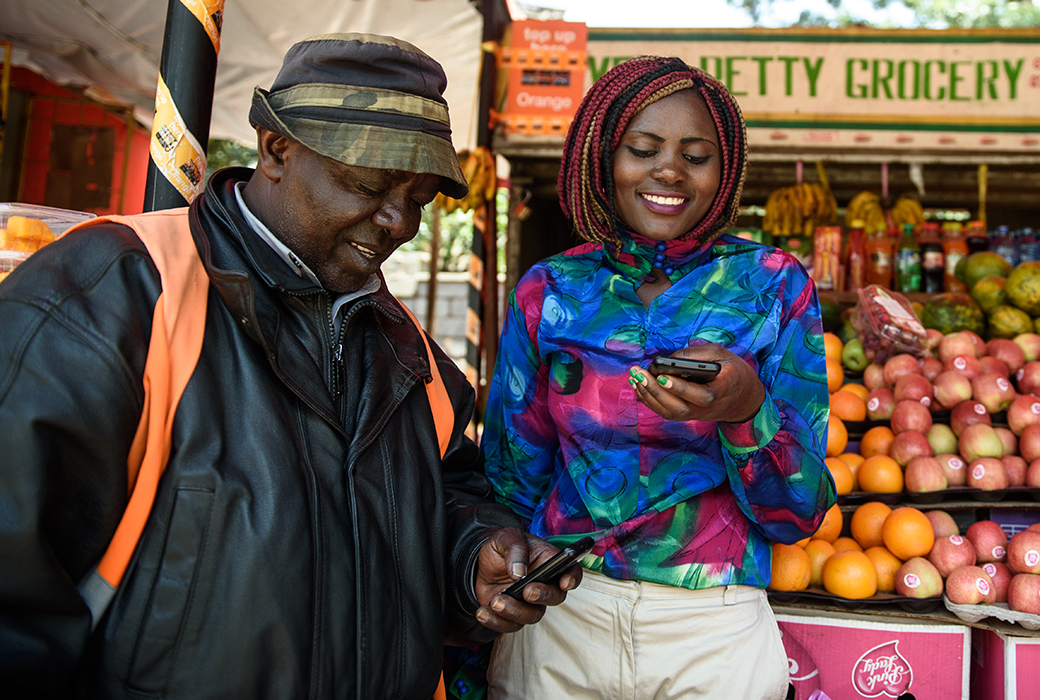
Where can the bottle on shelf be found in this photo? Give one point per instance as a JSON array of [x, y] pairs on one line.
[[976, 237], [933, 264], [1003, 244], [856, 256], [908, 262], [1028, 245], [955, 248], [879, 258]]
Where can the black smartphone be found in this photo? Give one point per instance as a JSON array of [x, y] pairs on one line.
[[552, 570], [690, 370]]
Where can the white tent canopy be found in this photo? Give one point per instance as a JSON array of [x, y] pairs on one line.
[[112, 48]]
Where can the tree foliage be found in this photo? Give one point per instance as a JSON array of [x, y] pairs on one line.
[[935, 14]]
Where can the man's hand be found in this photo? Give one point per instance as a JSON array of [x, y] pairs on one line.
[[735, 395], [505, 557]]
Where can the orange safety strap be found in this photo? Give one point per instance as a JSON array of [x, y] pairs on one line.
[[178, 326], [440, 404]]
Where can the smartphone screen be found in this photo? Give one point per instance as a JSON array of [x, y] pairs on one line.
[[552, 570], [690, 370]]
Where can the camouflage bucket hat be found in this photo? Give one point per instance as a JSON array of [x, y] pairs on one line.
[[365, 100]]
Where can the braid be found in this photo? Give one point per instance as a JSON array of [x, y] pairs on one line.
[[586, 179]]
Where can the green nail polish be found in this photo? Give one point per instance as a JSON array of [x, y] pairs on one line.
[[632, 371], [632, 381], [662, 380], [640, 378]]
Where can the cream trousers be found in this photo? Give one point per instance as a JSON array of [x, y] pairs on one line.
[[625, 640]]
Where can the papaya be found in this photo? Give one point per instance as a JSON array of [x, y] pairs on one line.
[[983, 264], [989, 292], [1023, 287], [830, 311], [1005, 321], [952, 312]]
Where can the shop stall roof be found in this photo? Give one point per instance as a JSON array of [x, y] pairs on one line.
[[111, 48]]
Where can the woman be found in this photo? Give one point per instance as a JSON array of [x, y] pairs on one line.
[[683, 485]]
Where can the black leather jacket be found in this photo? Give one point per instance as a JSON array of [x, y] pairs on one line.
[[306, 540]]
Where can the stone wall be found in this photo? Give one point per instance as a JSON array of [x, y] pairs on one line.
[[407, 276]]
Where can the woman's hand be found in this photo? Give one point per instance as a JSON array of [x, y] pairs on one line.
[[734, 396]]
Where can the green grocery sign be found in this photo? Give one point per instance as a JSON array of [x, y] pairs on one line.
[[942, 80]]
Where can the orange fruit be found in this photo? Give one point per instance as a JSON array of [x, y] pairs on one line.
[[886, 565], [819, 551], [802, 543], [832, 346], [857, 389], [850, 575], [846, 544], [908, 533], [852, 459], [866, 523], [880, 474], [848, 406], [830, 528], [837, 436], [876, 441], [841, 474], [835, 375], [792, 569]]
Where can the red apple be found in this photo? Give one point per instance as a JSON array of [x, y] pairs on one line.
[[1024, 593], [1016, 469], [1023, 412], [913, 387], [970, 585], [980, 344], [898, 366], [979, 440], [959, 343], [950, 553], [970, 367], [1028, 378], [1001, 576], [1029, 443], [993, 390], [968, 413], [930, 367], [1030, 344], [942, 439], [1007, 351], [951, 388], [1035, 527], [943, 523], [955, 468], [923, 474], [989, 539], [934, 337], [874, 376], [880, 403], [992, 364], [1023, 552], [987, 474], [918, 578], [1033, 474], [910, 415], [1007, 439]]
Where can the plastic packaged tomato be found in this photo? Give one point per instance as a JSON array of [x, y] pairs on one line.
[[886, 324]]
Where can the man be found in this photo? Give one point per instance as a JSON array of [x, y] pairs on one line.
[[307, 538]]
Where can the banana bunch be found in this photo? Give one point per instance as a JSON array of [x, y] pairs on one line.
[[799, 209], [877, 213], [478, 166]]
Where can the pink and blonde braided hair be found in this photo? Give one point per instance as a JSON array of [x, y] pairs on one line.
[[586, 182]]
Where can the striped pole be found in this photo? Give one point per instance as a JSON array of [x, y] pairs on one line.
[[183, 103]]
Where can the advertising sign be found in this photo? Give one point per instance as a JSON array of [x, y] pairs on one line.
[[976, 89]]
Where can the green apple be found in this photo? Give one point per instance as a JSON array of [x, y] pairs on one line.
[[852, 356]]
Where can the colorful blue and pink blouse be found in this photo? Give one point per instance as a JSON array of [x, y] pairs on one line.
[[691, 504]]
